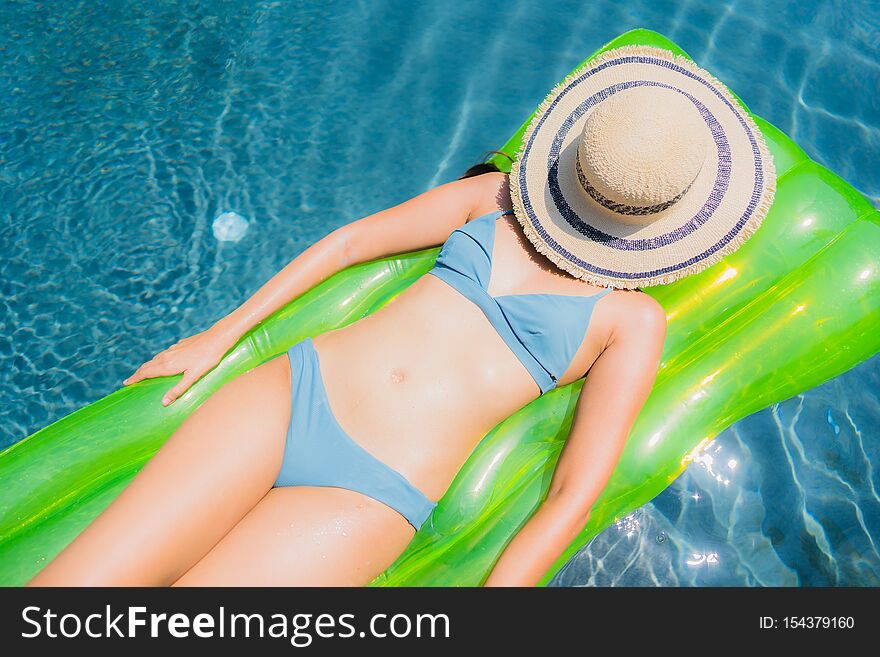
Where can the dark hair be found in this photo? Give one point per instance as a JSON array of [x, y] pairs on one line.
[[484, 166]]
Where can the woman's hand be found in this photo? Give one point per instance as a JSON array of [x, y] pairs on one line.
[[194, 356]]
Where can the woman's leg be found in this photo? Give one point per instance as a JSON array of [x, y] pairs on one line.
[[306, 536], [218, 464]]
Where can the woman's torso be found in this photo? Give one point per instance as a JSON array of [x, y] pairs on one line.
[[419, 382]]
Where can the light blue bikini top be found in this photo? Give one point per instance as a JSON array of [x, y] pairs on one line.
[[544, 331]]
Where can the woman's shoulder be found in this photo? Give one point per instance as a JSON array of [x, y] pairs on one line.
[[492, 192], [639, 310], [497, 182], [499, 177]]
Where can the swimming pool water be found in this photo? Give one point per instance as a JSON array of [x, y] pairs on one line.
[[128, 127]]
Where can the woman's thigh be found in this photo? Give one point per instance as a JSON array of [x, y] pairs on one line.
[[219, 463], [306, 536]]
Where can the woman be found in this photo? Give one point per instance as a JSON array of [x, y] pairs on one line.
[[317, 467]]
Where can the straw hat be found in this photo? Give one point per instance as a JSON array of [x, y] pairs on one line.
[[639, 169]]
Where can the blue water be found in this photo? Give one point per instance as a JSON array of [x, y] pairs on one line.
[[127, 127]]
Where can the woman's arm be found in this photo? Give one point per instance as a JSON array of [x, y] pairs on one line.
[[612, 396], [422, 221]]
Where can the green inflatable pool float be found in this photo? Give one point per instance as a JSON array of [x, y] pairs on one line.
[[798, 304]]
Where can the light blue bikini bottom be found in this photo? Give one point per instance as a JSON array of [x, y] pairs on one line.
[[318, 452]]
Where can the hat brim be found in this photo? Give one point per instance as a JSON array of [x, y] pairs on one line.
[[724, 206]]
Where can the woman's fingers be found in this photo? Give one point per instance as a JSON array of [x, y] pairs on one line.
[[141, 373], [134, 378], [193, 356], [189, 377], [151, 369]]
